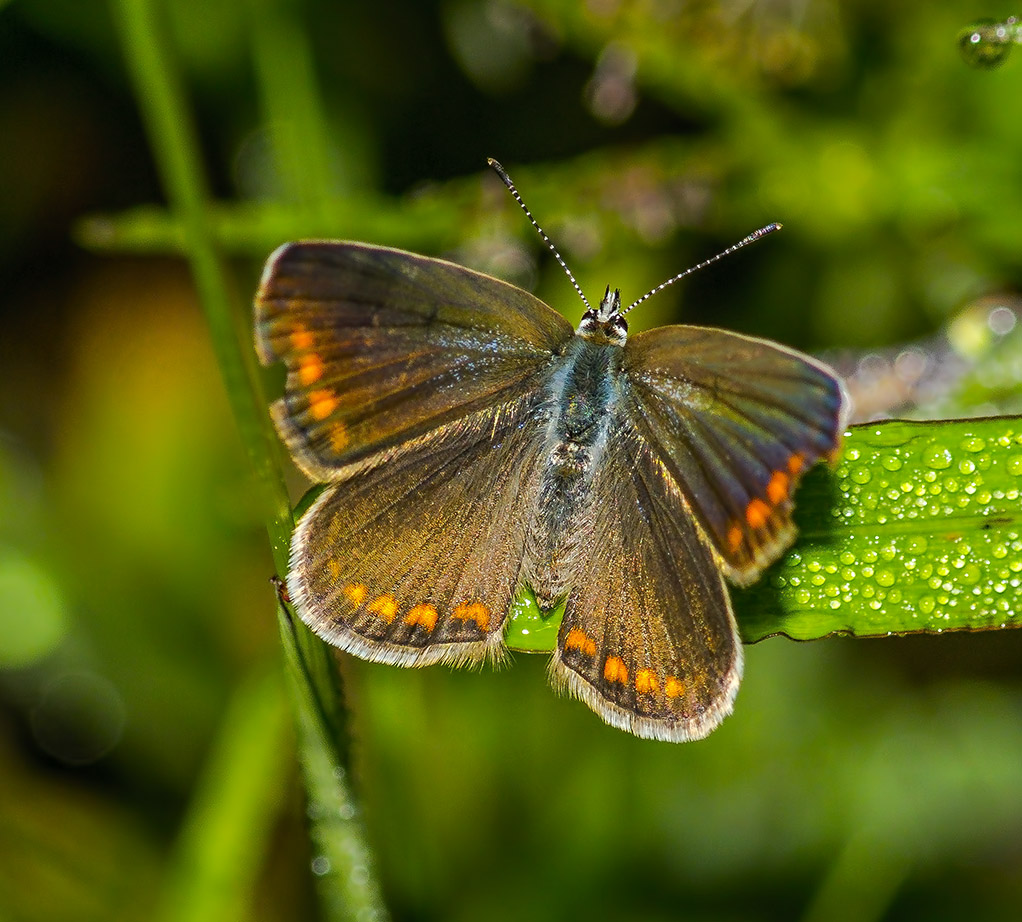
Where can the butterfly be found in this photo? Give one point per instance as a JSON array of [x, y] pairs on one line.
[[475, 445]]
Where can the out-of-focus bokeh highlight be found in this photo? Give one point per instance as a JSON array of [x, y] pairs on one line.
[[869, 780]]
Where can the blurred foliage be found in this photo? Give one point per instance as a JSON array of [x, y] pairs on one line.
[[857, 780]]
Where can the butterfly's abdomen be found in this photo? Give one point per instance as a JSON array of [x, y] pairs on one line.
[[582, 397]]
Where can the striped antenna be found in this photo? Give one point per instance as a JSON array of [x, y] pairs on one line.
[[752, 238], [502, 173]]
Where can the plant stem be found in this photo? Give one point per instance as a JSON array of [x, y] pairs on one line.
[[323, 741]]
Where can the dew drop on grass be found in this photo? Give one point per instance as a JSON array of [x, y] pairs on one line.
[[937, 457]]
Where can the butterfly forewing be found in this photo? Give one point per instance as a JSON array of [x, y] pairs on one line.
[[736, 421], [383, 346], [648, 639], [416, 561]]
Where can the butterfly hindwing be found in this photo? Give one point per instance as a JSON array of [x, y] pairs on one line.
[[736, 421], [648, 639], [382, 346], [416, 560]]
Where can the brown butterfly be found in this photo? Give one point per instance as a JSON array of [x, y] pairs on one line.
[[474, 444]]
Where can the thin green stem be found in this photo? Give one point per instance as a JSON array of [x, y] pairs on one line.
[[323, 742]]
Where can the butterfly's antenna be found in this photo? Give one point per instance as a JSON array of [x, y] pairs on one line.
[[752, 238], [502, 173]]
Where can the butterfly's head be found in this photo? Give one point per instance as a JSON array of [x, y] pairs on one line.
[[606, 323]]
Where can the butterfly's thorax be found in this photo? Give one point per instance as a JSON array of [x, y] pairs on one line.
[[581, 400]]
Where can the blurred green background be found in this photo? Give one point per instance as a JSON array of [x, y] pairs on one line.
[[139, 655]]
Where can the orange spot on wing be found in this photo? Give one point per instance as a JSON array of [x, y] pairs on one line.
[[674, 687], [614, 670], [425, 615], [473, 611], [356, 593], [757, 513], [339, 437], [777, 489], [735, 537], [301, 339], [795, 463], [322, 403], [310, 369], [385, 606], [646, 682], [577, 639]]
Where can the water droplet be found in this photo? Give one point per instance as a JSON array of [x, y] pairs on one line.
[[927, 604], [861, 475], [847, 557], [802, 596], [1001, 320], [980, 45], [973, 443], [885, 578], [1015, 465], [852, 454], [916, 544], [937, 457], [320, 865], [891, 462], [966, 466]]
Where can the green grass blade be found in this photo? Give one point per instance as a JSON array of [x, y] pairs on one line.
[[917, 528], [311, 669], [222, 842], [342, 861], [291, 102]]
